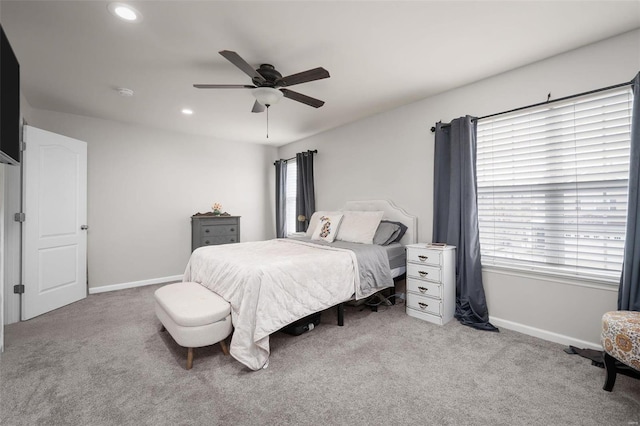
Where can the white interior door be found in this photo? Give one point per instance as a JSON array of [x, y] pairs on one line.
[[54, 236]]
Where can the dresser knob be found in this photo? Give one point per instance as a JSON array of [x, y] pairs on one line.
[[233, 240], [206, 230], [423, 274], [422, 289], [423, 258], [232, 229], [422, 305], [207, 242]]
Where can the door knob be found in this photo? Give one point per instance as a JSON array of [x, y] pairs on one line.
[[84, 227]]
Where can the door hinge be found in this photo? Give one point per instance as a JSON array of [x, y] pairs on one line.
[[18, 288], [23, 146], [19, 217]]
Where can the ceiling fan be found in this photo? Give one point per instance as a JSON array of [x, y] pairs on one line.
[[269, 86]]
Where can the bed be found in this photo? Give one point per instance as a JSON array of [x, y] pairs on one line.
[[273, 283]]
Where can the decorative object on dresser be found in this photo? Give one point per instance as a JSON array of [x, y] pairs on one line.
[[431, 282], [208, 229]]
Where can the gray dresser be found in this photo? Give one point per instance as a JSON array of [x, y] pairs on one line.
[[208, 230]]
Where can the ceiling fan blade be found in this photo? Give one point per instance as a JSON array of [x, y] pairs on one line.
[[304, 76], [257, 107], [316, 103], [236, 60], [223, 86]]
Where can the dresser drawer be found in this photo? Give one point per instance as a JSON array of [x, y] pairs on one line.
[[423, 272], [215, 230], [424, 256], [207, 230], [225, 239], [424, 304], [424, 288]]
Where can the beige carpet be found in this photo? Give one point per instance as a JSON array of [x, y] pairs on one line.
[[103, 361]]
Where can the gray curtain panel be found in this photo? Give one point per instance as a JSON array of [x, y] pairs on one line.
[[455, 216], [305, 192], [281, 198], [629, 292]]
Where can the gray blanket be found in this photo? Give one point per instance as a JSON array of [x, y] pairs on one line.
[[373, 263]]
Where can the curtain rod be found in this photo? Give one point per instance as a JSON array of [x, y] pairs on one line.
[[433, 129], [315, 151]]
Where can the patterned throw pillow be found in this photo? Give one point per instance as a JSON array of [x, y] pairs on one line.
[[327, 227]]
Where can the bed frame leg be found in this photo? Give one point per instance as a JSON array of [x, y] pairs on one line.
[[341, 314]]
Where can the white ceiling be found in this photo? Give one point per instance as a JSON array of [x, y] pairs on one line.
[[380, 54]]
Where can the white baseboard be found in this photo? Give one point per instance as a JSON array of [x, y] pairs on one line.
[[544, 334], [122, 286]]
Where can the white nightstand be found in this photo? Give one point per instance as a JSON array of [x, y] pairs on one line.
[[431, 283]]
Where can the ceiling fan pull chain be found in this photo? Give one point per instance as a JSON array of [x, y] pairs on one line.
[[267, 121]]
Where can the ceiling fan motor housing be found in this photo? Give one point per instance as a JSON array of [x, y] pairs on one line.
[[270, 74]]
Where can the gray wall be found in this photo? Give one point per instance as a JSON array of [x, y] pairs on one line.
[[144, 185], [390, 156]]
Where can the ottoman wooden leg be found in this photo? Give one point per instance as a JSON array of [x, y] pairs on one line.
[[610, 366], [189, 358], [225, 348]]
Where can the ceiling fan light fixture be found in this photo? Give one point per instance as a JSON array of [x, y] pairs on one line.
[[267, 96]]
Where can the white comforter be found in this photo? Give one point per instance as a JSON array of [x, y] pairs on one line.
[[270, 284]]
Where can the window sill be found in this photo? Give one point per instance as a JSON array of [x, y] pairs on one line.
[[554, 278]]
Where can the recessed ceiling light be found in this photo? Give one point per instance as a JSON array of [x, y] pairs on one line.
[[125, 12], [187, 111]]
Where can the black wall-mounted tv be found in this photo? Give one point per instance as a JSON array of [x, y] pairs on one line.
[[9, 103]]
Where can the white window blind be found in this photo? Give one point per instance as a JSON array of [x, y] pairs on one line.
[[553, 184], [292, 178]]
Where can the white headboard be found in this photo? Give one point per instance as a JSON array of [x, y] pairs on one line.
[[391, 212]]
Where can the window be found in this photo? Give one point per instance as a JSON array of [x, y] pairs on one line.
[[553, 184], [292, 178]]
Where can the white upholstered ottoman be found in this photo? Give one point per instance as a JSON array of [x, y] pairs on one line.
[[194, 316]]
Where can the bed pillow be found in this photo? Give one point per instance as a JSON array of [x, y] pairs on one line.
[[403, 230], [315, 218], [327, 228], [386, 233], [359, 226]]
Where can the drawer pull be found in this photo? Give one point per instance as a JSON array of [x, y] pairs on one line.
[[232, 229], [422, 305], [422, 289], [207, 242], [423, 273], [423, 258], [206, 230], [232, 240]]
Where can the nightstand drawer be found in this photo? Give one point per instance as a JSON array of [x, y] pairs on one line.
[[424, 288], [424, 256], [425, 316], [214, 230], [424, 304], [423, 272]]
